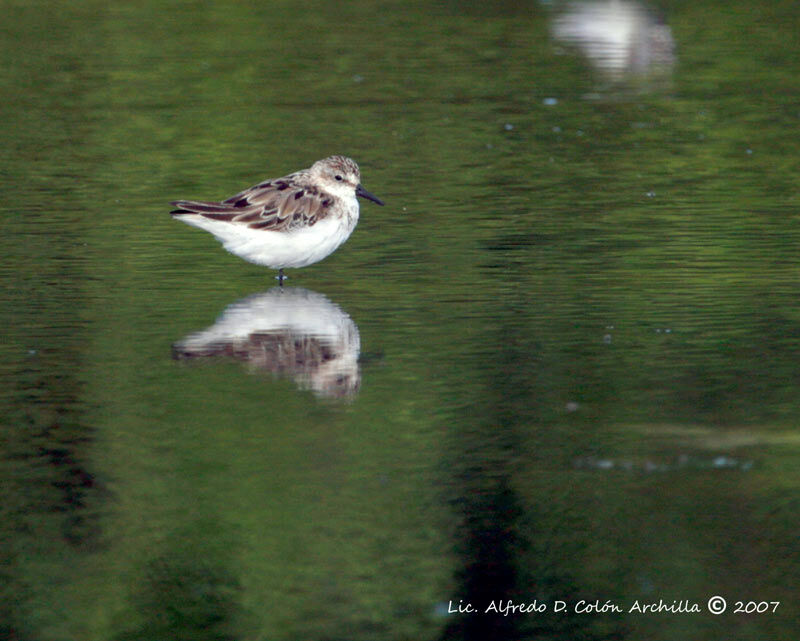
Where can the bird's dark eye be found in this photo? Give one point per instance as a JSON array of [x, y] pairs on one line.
[[338, 177]]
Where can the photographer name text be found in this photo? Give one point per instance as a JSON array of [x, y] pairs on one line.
[[714, 605]]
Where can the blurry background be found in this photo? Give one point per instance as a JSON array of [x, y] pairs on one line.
[[561, 363]]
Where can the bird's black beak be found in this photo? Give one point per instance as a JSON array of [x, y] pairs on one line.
[[360, 191]]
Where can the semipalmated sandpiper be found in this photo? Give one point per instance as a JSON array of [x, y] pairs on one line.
[[292, 221]]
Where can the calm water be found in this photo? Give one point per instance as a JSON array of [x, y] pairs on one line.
[[559, 365]]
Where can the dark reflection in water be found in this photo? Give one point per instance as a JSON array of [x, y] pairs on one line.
[[187, 597], [289, 332], [618, 37], [50, 488], [505, 540], [50, 436]]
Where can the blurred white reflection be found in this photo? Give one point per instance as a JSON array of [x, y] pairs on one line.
[[619, 37], [289, 332]]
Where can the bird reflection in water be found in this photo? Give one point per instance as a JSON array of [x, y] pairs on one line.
[[620, 38], [290, 332]]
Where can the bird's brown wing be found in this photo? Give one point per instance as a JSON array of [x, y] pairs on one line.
[[281, 204]]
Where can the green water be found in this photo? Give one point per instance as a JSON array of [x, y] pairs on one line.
[[568, 344]]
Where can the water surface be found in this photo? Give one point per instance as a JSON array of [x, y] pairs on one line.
[[560, 364]]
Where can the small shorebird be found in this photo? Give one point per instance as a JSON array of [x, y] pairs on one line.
[[292, 221]]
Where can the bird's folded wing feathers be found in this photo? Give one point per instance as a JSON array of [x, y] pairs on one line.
[[274, 205]]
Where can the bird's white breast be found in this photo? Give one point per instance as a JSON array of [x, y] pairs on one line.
[[294, 248]]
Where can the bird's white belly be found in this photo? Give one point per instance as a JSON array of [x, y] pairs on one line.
[[278, 249]]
